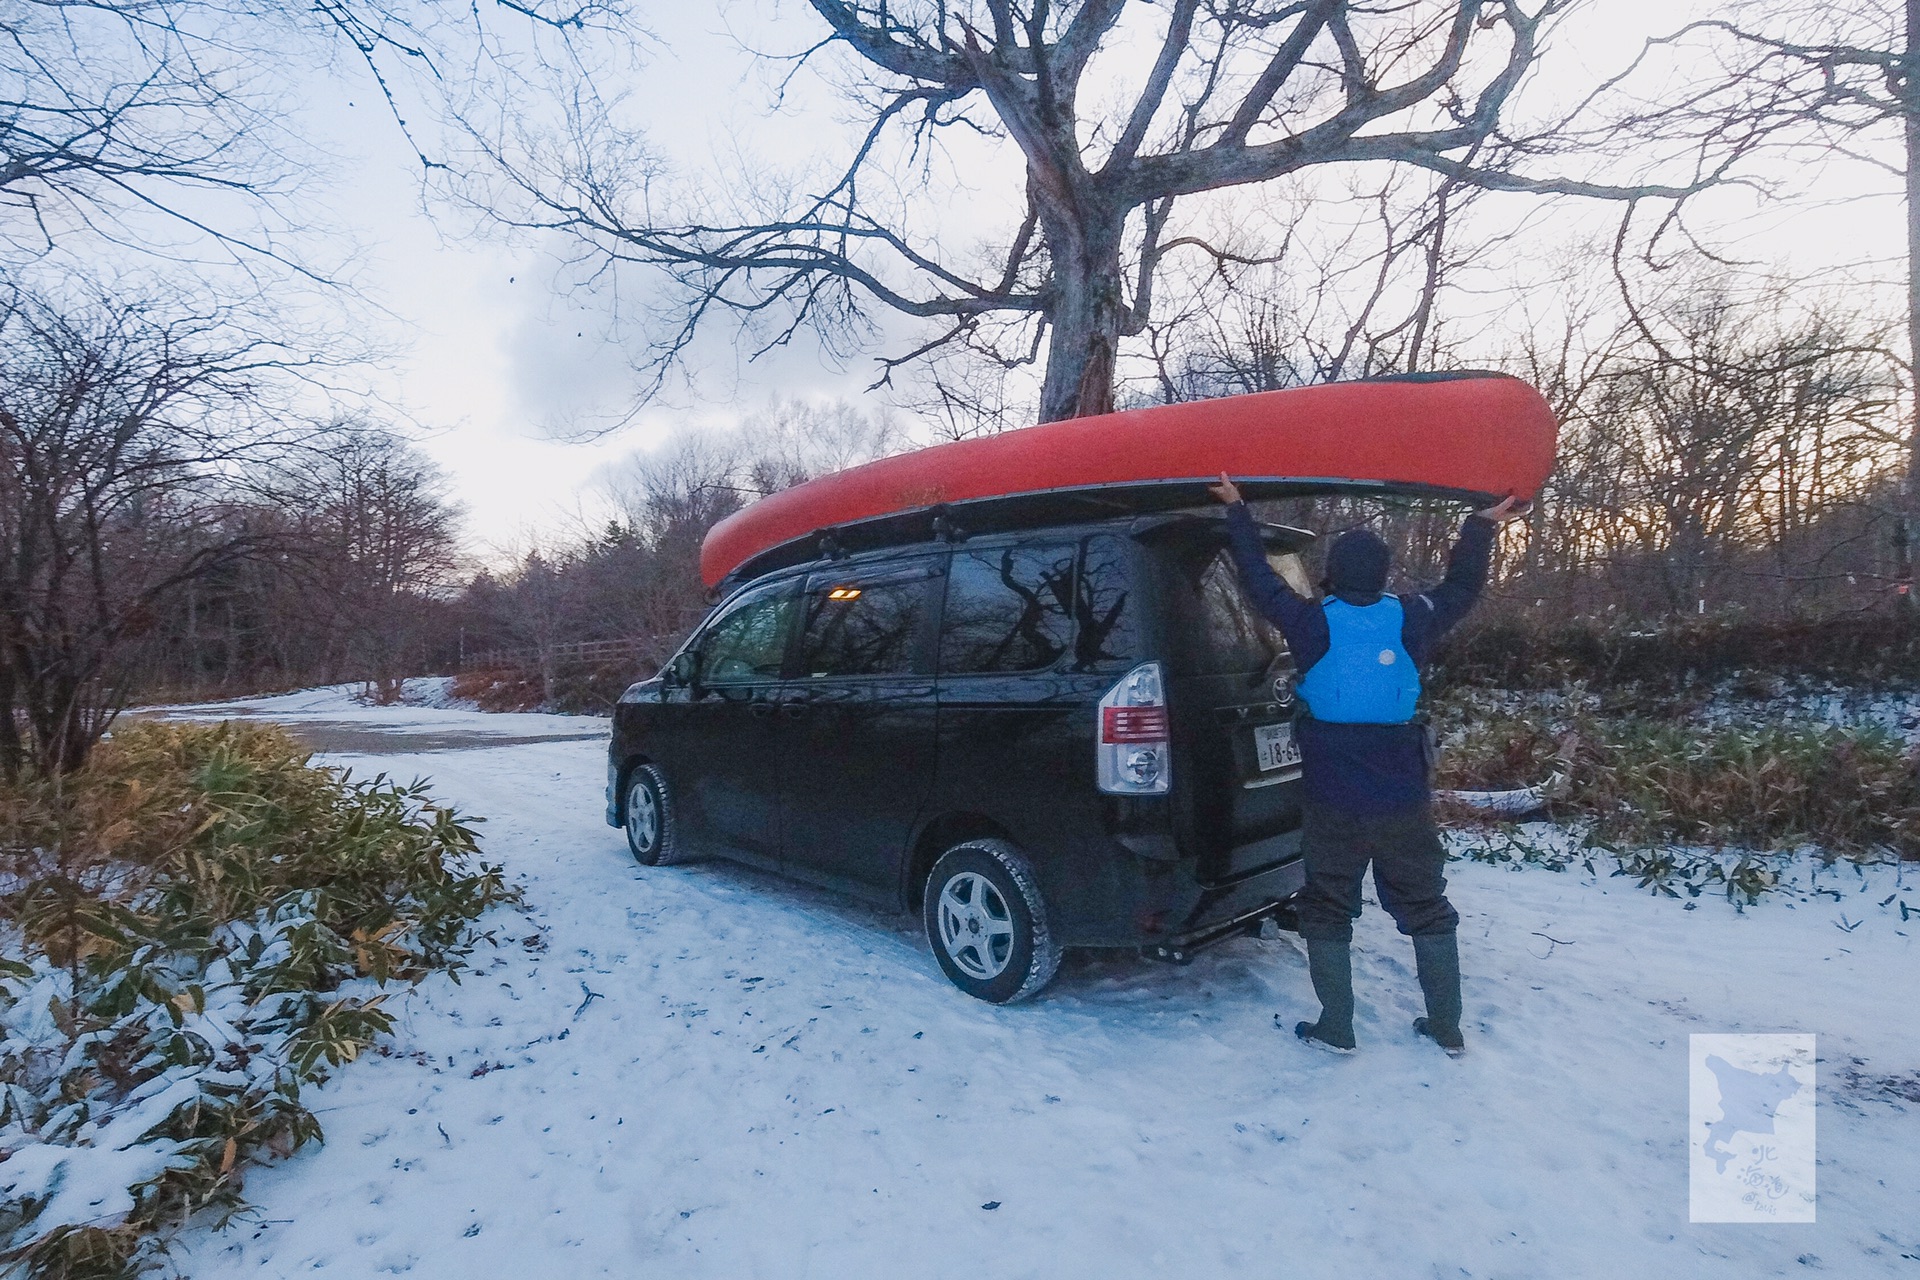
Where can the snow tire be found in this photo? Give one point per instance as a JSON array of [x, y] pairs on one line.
[[994, 942], [648, 819]]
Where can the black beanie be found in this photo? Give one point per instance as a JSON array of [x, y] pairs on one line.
[[1357, 564]]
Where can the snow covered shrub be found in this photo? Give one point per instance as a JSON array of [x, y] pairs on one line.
[[1847, 790], [191, 929]]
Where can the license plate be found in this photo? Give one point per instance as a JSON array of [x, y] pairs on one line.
[[1274, 747]]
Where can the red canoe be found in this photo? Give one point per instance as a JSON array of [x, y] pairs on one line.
[[1475, 436]]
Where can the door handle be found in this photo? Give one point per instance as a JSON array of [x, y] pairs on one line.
[[760, 709], [793, 710]]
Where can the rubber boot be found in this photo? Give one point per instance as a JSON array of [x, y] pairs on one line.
[[1438, 958], [1330, 965]]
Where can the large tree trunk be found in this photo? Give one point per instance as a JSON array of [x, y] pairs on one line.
[[1086, 315], [56, 711]]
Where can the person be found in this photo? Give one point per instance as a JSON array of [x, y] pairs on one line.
[[1366, 757]]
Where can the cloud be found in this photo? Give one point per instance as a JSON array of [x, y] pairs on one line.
[[567, 369]]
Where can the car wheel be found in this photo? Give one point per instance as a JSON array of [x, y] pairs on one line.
[[649, 819], [987, 923]]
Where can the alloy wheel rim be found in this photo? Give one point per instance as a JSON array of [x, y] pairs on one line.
[[643, 818], [976, 926]]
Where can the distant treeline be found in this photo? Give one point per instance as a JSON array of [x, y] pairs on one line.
[[1725, 483], [1726, 478], [358, 579]]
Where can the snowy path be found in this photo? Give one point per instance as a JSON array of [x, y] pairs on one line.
[[706, 1072]]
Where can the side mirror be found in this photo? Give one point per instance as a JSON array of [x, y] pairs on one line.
[[681, 669]]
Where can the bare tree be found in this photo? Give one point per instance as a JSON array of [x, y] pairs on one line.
[[150, 122], [670, 496], [1233, 95], [375, 537], [1356, 290], [1849, 75], [1707, 440], [117, 418], [168, 124]]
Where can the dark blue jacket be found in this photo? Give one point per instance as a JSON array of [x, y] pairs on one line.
[[1363, 768]]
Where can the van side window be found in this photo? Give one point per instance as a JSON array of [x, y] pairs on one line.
[[856, 628], [1103, 614], [1008, 609], [748, 641]]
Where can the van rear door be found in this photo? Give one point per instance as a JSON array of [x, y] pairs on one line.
[[1236, 765]]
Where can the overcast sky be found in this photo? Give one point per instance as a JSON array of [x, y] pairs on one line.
[[495, 357], [493, 354]]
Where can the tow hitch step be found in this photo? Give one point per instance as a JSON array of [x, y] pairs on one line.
[[1281, 914]]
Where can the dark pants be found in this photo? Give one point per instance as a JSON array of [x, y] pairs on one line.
[[1409, 871]]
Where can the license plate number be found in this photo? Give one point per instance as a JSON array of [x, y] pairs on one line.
[[1274, 747]]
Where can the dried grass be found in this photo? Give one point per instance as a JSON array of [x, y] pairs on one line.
[[1849, 791]]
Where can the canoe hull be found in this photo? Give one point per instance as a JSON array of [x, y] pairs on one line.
[[1475, 437]]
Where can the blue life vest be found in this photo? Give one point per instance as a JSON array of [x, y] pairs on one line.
[[1366, 676]]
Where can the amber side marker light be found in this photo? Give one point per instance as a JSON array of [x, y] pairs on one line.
[[844, 593]]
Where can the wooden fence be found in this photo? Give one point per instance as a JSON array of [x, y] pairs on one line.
[[585, 653]]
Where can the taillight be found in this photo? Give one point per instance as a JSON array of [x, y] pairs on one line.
[[1134, 754]]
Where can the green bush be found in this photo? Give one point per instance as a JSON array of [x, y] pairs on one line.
[[199, 923]]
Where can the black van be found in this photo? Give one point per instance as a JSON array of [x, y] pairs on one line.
[[1073, 736]]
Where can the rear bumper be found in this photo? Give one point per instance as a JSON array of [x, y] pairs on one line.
[[1120, 899]]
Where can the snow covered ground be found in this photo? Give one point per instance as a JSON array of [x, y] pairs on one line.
[[704, 1071], [340, 720]]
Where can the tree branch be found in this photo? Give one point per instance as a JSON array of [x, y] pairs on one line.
[[1286, 59], [1179, 34], [879, 42]]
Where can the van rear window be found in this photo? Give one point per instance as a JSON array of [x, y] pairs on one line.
[[1223, 633], [1103, 612]]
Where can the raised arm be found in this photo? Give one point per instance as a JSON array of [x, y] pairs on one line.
[[1441, 607], [1300, 620]]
